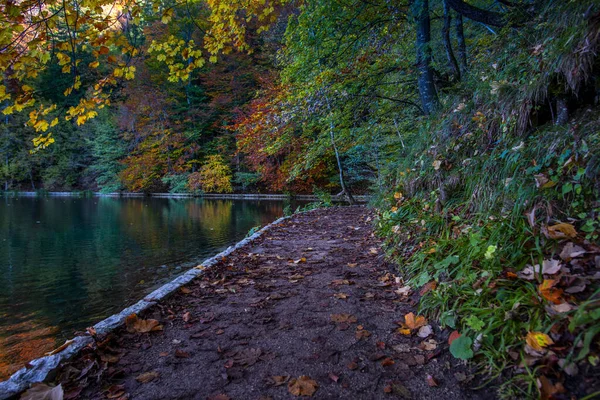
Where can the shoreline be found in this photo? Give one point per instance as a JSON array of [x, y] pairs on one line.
[[233, 196], [39, 369]]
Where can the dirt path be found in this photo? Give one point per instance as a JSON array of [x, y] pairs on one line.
[[311, 297]]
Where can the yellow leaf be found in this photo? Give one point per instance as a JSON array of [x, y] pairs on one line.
[[538, 340], [561, 231], [94, 64]]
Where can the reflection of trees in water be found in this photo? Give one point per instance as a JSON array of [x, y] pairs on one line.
[[86, 257], [32, 341]]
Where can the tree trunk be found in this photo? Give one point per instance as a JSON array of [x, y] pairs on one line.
[[340, 168], [427, 91], [462, 45], [477, 14], [453, 64]]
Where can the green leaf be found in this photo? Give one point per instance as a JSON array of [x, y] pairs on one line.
[[461, 348], [475, 323]]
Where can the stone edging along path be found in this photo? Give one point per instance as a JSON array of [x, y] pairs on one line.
[[39, 369]]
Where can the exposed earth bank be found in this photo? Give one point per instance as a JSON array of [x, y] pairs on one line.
[[310, 308]]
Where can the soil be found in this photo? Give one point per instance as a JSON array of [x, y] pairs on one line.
[[312, 297]]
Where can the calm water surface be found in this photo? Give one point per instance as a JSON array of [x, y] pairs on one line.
[[66, 263]]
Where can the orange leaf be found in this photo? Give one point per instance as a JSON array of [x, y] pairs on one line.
[[549, 292], [538, 340], [414, 322]]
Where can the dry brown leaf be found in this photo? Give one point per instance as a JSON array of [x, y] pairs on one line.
[[550, 267], [352, 265], [387, 362], [362, 333], [428, 287], [428, 345], [561, 231], [187, 317], [571, 251], [547, 389], [279, 380], [185, 290], [135, 324], [303, 386], [343, 318], [41, 391], [431, 381], [549, 292], [147, 377], [341, 296]]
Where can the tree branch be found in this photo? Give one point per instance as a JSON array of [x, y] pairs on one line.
[[477, 14]]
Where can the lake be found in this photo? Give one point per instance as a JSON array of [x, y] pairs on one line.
[[67, 263]]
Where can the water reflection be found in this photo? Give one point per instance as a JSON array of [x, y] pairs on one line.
[[66, 263]]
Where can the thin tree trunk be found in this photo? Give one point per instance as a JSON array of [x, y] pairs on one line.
[[427, 91], [340, 168], [462, 45], [448, 43]]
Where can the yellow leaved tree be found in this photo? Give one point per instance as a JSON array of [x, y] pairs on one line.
[[37, 34]]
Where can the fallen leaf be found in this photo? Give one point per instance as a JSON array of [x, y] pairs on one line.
[[185, 290], [341, 296], [549, 292], [550, 267], [353, 365], [403, 291], [220, 396], [425, 331], [387, 362], [279, 380], [187, 317], [538, 340], [115, 391], [453, 336], [163, 354], [571, 251], [561, 231], [333, 377], [147, 377], [373, 250], [547, 389], [341, 282], [428, 345], [413, 322], [181, 354], [562, 307], [352, 265], [135, 324], [343, 318], [431, 381], [300, 260], [362, 334], [303, 386], [41, 391], [428, 287]]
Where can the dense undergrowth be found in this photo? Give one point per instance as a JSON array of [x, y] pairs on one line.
[[494, 213]]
